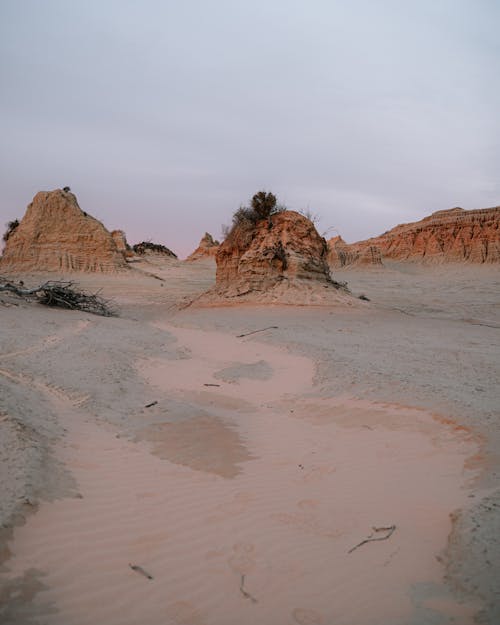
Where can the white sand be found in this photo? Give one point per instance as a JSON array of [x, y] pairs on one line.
[[241, 498]]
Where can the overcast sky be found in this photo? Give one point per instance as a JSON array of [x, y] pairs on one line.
[[165, 116]]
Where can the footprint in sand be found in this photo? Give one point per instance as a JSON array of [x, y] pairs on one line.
[[308, 504], [184, 613], [304, 616], [306, 520], [242, 561], [237, 505]]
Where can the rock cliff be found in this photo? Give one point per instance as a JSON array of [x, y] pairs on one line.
[[56, 235], [280, 259], [454, 235], [207, 248]]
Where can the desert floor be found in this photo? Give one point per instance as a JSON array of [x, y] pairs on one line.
[[278, 438]]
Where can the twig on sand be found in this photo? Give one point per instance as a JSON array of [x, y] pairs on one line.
[[153, 403], [208, 384], [246, 594], [239, 336], [390, 531], [140, 570]]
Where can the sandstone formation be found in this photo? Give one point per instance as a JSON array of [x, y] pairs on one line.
[[207, 249], [121, 242], [280, 259], [341, 254], [454, 235], [56, 235]]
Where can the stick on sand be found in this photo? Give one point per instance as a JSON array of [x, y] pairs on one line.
[[140, 570], [246, 594], [390, 531], [239, 336]]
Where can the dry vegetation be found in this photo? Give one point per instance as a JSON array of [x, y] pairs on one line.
[[61, 294]]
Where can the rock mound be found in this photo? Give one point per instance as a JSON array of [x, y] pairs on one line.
[[281, 259], [146, 248], [207, 248], [56, 235]]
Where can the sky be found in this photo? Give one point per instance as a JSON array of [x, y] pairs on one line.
[[165, 116]]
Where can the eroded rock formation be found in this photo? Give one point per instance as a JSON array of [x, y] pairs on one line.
[[341, 254], [454, 235], [206, 249], [280, 259], [121, 242], [56, 235]]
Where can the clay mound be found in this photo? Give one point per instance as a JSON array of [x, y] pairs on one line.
[[56, 235], [280, 260], [207, 249], [146, 248], [454, 235]]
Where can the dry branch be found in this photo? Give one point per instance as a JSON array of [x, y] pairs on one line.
[[239, 336], [390, 530], [246, 594], [140, 570], [62, 294]]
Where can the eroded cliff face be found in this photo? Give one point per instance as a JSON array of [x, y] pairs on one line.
[[341, 254], [454, 235], [280, 259], [56, 235], [207, 249], [120, 240]]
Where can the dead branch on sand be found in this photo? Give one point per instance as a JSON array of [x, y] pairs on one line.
[[246, 594], [140, 570], [239, 336], [390, 531], [62, 294]]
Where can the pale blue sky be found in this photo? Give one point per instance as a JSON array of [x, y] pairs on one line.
[[165, 116]]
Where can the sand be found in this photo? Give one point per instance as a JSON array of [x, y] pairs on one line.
[[263, 460]]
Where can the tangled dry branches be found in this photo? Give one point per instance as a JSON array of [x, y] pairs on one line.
[[62, 294]]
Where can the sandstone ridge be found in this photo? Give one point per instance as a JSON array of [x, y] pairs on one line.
[[281, 259], [56, 235], [454, 235]]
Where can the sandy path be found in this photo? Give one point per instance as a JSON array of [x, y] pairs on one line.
[[245, 512]]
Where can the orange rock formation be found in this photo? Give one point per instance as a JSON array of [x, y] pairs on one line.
[[56, 235], [207, 248], [341, 254], [281, 259], [121, 243], [454, 235]]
